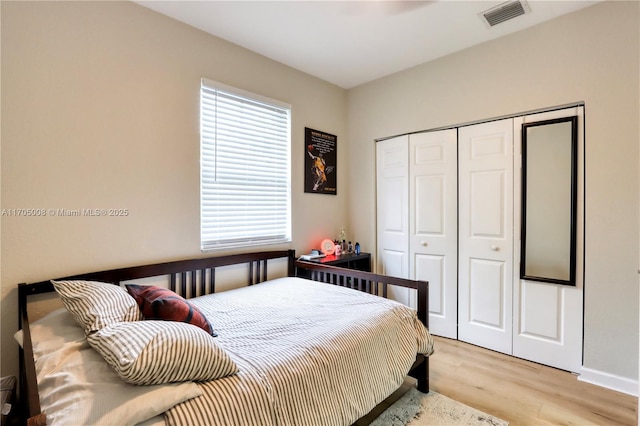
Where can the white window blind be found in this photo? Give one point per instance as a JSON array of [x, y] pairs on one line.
[[245, 168]]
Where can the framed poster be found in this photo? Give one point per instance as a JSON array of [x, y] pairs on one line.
[[320, 164]]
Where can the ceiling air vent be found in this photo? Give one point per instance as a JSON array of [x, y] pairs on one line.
[[505, 11]]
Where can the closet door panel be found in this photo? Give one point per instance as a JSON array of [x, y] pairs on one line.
[[392, 174], [433, 267], [486, 234], [487, 287], [548, 318], [430, 193], [433, 224], [486, 203]]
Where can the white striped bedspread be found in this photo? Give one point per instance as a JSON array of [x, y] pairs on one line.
[[308, 354]]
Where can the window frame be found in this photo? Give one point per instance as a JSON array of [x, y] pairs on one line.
[[284, 234]]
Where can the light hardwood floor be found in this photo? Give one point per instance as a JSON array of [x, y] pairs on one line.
[[519, 391]]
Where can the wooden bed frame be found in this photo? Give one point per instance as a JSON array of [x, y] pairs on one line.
[[195, 277]]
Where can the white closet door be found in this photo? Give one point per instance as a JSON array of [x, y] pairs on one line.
[[433, 225], [548, 317], [392, 173], [486, 234]]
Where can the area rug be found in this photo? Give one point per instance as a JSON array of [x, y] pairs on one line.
[[418, 409]]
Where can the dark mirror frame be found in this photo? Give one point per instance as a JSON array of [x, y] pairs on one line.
[[573, 206]]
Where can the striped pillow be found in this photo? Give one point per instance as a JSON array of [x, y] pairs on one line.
[[157, 303], [156, 352], [95, 305]]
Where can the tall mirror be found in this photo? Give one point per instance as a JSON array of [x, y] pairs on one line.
[[549, 199]]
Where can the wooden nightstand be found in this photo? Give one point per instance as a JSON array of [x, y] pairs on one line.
[[361, 262]]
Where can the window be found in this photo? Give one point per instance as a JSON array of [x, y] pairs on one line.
[[245, 189]]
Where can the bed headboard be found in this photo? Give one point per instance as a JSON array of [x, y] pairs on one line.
[[180, 272]]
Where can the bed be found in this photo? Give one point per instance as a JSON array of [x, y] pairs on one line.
[[323, 349]]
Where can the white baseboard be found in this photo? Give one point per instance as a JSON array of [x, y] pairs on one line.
[[609, 381]]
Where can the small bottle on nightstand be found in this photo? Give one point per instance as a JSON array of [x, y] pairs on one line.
[[357, 247]]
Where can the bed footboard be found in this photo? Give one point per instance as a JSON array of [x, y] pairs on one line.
[[378, 285]]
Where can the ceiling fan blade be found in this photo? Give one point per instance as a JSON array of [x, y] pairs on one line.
[[382, 7]]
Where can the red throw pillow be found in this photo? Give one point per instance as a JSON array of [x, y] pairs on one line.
[[157, 303]]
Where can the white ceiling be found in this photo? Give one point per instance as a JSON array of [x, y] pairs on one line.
[[349, 43]]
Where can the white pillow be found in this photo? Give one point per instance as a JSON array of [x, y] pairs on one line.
[[153, 352], [95, 305], [77, 387], [52, 330]]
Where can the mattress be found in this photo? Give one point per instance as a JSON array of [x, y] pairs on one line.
[[308, 354]]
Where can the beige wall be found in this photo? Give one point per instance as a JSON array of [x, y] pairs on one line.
[[590, 56], [100, 110]]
